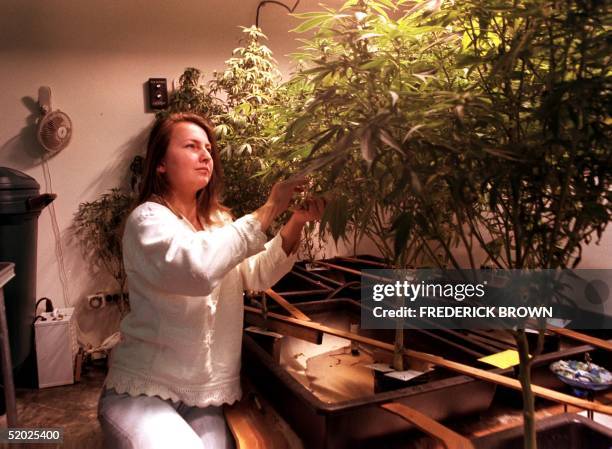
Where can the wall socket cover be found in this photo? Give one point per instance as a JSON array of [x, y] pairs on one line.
[[158, 93]]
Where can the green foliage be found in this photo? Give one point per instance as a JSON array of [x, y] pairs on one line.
[[251, 75], [540, 137], [361, 131], [192, 95], [99, 229], [478, 124], [248, 83], [481, 124]]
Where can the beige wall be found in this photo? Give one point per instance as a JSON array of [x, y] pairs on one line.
[[96, 55]]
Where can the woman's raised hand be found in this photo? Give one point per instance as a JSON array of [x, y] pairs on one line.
[[280, 196], [282, 193]]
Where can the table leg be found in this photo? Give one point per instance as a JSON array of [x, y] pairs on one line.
[[7, 368]]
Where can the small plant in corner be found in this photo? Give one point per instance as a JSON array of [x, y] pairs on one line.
[[99, 229]]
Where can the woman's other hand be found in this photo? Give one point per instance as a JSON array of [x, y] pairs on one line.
[[311, 210]]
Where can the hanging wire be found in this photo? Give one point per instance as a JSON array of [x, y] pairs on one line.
[[59, 253], [297, 2]]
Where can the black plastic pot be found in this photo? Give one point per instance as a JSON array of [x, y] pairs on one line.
[[565, 431]]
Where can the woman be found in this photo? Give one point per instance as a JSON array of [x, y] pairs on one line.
[[187, 265]]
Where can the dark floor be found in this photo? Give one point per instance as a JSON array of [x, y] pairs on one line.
[[74, 409], [71, 407]]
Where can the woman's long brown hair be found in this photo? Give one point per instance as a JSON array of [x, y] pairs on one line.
[[154, 184]]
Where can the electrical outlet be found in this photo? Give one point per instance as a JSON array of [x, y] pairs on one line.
[[102, 298], [97, 300]]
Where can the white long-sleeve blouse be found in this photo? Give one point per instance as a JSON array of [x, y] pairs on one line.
[[182, 338]]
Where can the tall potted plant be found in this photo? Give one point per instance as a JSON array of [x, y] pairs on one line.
[[99, 228], [248, 82], [369, 78], [540, 153], [505, 119]]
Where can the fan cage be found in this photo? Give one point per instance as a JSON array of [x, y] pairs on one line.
[[54, 131]]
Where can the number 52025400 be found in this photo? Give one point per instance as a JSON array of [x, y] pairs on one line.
[[31, 435]]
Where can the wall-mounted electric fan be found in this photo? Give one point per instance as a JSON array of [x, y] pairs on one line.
[[54, 127]]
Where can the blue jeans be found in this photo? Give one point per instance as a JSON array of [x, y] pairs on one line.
[[149, 422]]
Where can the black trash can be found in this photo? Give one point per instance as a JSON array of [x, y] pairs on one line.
[[20, 206]]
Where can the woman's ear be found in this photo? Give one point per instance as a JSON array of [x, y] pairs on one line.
[[161, 168]]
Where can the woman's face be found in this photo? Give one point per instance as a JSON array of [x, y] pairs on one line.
[[187, 164]]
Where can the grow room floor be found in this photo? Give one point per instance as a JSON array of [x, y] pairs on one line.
[[74, 408]]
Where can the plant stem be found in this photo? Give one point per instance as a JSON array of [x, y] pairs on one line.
[[528, 398]]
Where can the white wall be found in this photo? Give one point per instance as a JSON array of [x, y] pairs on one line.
[[95, 55]]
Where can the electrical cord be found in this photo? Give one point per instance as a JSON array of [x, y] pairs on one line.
[[48, 305], [262, 3], [59, 254]]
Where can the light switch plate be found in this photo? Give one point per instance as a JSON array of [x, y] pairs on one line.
[[158, 93]]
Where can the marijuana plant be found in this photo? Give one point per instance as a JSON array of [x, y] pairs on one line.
[[540, 140], [99, 229], [248, 82], [483, 125], [361, 131], [192, 95]]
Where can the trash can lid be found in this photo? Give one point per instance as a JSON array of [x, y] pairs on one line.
[[11, 179]]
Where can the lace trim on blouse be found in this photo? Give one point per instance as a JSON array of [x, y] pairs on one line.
[[226, 393]]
